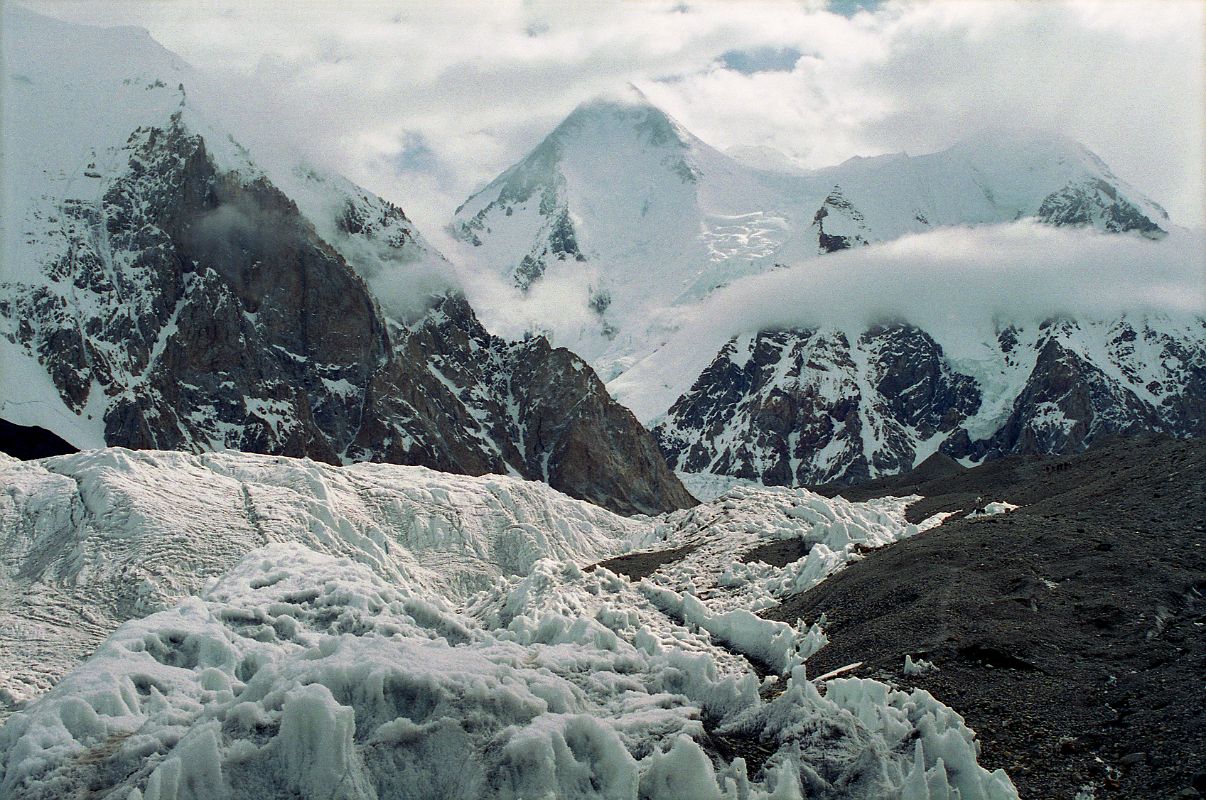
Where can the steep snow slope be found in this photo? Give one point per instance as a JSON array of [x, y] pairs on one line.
[[623, 198], [329, 659], [82, 161]]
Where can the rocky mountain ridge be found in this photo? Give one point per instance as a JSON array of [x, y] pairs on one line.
[[803, 407], [183, 299]]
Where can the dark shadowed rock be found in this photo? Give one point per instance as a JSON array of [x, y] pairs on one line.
[[804, 407], [29, 441]]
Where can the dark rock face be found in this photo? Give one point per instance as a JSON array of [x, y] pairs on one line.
[[809, 407], [206, 311], [1070, 401], [800, 407], [1096, 203], [543, 413], [918, 387], [842, 216]]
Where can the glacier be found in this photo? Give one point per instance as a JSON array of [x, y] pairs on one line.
[[234, 625]]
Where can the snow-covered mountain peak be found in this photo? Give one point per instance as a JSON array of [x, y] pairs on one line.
[[596, 141], [624, 202], [619, 184], [615, 122]]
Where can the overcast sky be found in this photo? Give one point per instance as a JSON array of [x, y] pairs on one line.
[[424, 102]]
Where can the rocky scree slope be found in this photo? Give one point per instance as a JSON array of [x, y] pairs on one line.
[[797, 407], [170, 294], [1068, 632]]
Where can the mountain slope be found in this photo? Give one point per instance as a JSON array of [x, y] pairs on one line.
[[798, 407], [622, 198], [164, 291]]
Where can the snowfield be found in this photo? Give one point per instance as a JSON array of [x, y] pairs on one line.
[[294, 629]]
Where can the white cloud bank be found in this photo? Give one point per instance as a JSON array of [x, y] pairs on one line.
[[1021, 272], [425, 102], [959, 284]]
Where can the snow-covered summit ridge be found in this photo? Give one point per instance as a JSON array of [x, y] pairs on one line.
[[649, 219], [77, 96], [618, 174]]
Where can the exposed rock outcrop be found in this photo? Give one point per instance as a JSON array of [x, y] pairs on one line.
[[1096, 203], [803, 407], [846, 225]]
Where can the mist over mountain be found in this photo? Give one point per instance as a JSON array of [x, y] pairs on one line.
[[697, 280], [633, 218]]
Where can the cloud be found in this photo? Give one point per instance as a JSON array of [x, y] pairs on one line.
[[481, 83], [1023, 272], [959, 284], [558, 305]]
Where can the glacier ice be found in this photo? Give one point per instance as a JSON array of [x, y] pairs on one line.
[[299, 673], [296, 629]]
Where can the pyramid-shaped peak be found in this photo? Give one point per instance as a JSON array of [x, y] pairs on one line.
[[625, 97], [624, 110]]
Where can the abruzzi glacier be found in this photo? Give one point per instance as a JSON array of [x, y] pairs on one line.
[[400, 403]]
